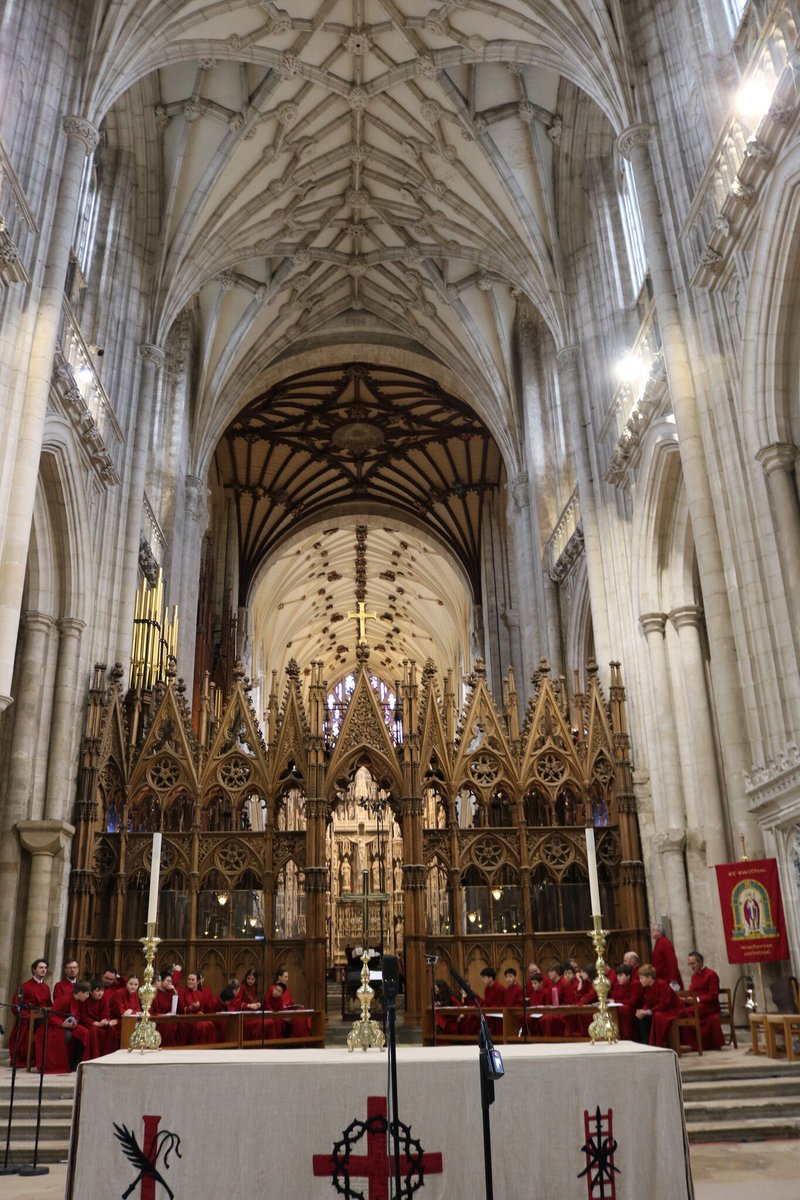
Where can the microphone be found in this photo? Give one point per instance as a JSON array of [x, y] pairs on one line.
[[462, 983], [390, 969]]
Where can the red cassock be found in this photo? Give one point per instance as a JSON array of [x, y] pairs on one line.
[[103, 1039], [120, 1002], [665, 1005], [542, 1026], [494, 997], [587, 995], [299, 1027], [57, 1061], [29, 995], [63, 988], [629, 994], [198, 1033], [468, 1023], [446, 1022], [513, 996], [172, 1032], [704, 984], [257, 1028], [665, 961]]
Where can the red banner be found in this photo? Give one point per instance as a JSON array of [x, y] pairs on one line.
[[752, 911]]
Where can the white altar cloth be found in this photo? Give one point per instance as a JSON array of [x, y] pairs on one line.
[[253, 1124]]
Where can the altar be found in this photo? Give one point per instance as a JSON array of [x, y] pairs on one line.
[[588, 1123]]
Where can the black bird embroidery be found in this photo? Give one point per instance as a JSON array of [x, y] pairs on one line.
[[163, 1143]]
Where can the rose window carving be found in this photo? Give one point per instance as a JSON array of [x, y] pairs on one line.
[[608, 852], [484, 769], [234, 773], [557, 852], [487, 854], [603, 770], [163, 774], [550, 768], [231, 858]]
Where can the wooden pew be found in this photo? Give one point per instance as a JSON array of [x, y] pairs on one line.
[[234, 1028], [512, 1020]]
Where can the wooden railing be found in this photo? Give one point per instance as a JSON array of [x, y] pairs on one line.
[[230, 1028], [512, 1023]]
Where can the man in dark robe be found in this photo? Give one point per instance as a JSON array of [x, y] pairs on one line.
[[665, 960], [68, 1033], [103, 1032], [32, 994], [64, 986], [628, 993]]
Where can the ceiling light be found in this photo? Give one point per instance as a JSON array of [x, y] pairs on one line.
[[497, 892], [472, 917], [222, 898]]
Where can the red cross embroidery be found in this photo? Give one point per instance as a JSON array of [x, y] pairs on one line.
[[377, 1165]]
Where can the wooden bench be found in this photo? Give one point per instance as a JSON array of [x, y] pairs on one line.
[[512, 1021], [233, 1038], [785, 1025]]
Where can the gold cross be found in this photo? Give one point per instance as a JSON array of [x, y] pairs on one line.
[[362, 616], [363, 898]]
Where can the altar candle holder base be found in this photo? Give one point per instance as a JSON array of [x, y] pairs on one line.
[[604, 1026], [145, 1036], [365, 1031]]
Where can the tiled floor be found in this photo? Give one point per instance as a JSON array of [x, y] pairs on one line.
[[722, 1171]]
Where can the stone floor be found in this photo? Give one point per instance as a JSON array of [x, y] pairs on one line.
[[723, 1171]]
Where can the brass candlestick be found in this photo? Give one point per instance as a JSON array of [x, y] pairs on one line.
[[365, 1032], [604, 1026], [145, 1036]]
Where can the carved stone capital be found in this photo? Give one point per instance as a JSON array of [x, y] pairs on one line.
[[37, 621], [44, 837], [673, 841], [687, 616], [195, 493], [78, 129], [520, 493], [71, 627], [568, 357], [779, 456], [633, 137], [653, 622], [152, 354]]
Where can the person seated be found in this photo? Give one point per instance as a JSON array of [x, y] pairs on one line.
[[444, 998], [493, 997], [103, 1034], [631, 959], [67, 983], [32, 994], [512, 993], [553, 983], [125, 1003], [568, 987], [192, 999], [67, 1034], [112, 982], [467, 1023], [584, 994], [248, 999], [659, 1008], [628, 993], [297, 1026], [538, 996], [167, 1002], [704, 986]]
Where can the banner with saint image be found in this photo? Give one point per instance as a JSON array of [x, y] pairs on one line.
[[752, 911]]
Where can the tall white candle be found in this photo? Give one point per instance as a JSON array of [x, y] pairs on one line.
[[594, 883], [155, 871]]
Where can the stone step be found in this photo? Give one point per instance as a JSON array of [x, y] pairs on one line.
[[697, 1070], [744, 1131], [49, 1152], [762, 1086], [52, 1129], [725, 1109]]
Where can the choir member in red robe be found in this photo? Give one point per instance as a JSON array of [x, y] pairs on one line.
[[468, 1023], [124, 1002], [167, 1000], [537, 996], [444, 998], [192, 998], [512, 993], [68, 1033], [664, 958], [629, 994], [660, 1007], [632, 960], [248, 999], [493, 997], [704, 985], [64, 986], [34, 993], [112, 982], [299, 1026], [103, 1034], [568, 987], [584, 994]]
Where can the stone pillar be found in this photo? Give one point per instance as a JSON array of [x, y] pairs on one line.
[[152, 361], [82, 140], [778, 462], [35, 637], [195, 522], [43, 840], [67, 703], [572, 401], [729, 703], [665, 770], [529, 575]]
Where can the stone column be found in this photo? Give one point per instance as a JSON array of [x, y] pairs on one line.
[[43, 840], [152, 361], [82, 140], [195, 522], [779, 462], [572, 401], [529, 576], [665, 773], [34, 641], [729, 704], [60, 791]]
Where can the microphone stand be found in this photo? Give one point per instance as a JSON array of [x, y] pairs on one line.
[[391, 982], [491, 1068], [34, 1169], [6, 1169]]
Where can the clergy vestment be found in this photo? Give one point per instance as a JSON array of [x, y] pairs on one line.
[[665, 1005], [103, 1039], [198, 1033], [629, 993], [171, 1031], [63, 988], [704, 984], [31, 994], [66, 1044], [665, 961]]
